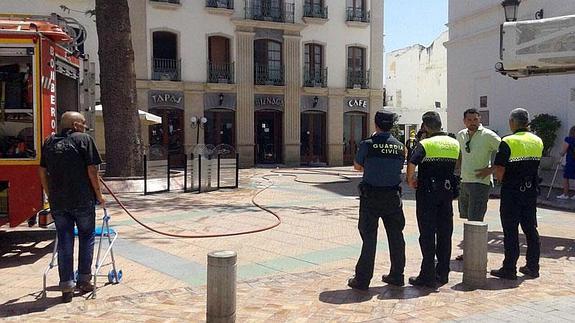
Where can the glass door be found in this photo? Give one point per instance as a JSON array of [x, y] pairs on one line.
[[268, 137], [167, 138], [354, 130], [313, 138]]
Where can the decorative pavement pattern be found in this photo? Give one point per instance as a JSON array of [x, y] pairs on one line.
[[296, 272]]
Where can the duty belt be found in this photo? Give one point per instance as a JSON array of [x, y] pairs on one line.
[[434, 184]]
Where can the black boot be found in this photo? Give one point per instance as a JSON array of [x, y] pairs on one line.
[[355, 284], [529, 272], [67, 297], [419, 281], [504, 273], [396, 280]]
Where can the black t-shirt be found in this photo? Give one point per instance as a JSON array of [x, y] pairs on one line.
[[66, 157], [516, 172]]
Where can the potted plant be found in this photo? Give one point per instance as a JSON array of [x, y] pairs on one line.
[[545, 126]]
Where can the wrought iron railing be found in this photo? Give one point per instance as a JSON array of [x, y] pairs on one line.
[[165, 69], [264, 75], [315, 78], [225, 4], [357, 79], [357, 14], [221, 73], [314, 11], [262, 10], [167, 1]]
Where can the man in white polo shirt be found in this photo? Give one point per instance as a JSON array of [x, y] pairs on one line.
[[478, 144]]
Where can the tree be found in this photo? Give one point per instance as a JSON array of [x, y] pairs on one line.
[[546, 126], [118, 89]]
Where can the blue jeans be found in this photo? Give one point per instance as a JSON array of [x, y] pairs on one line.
[[85, 221]]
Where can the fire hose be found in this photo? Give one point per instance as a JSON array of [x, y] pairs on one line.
[[253, 201]]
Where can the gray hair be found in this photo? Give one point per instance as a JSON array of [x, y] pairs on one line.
[[520, 117]]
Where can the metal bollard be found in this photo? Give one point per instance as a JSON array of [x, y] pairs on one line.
[[475, 254], [221, 301]]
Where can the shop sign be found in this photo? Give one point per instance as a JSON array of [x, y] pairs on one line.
[[274, 102], [358, 103], [171, 99]]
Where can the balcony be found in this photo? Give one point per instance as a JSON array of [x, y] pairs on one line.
[[314, 11], [164, 69], [264, 75], [167, 1], [357, 17], [262, 11], [357, 79], [221, 4], [317, 78], [221, 73]]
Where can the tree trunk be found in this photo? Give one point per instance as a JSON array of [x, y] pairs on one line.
[[118, 89]]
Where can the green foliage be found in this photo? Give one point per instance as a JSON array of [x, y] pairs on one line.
[[546, 126]]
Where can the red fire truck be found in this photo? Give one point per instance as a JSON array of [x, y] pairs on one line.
[[40, 74]]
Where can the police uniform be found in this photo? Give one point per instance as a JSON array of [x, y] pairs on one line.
[[436, 185], [382, 157], [520, 154]]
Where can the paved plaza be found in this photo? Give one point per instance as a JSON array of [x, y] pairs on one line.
[[294, 272]]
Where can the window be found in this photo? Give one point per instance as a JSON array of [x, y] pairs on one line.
[[220, 69], [268, 62], [313, 65], [356, 67], [437, 105], [483, 101], [166, 64], [484, 114], [17, 126], [356, 4]]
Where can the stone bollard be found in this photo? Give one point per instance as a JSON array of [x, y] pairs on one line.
[[221, 301], [474, 254]]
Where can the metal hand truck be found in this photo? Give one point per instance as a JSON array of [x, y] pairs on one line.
[[114, 275]]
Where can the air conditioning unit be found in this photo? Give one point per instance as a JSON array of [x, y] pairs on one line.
[[532, 47]]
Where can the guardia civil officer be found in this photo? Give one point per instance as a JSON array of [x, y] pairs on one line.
[[381, 159], [516, 166], [436, 187]]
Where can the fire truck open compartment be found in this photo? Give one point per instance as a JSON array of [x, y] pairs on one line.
[[17, 112]]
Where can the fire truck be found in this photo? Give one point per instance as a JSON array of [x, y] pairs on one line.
[[42, 75]]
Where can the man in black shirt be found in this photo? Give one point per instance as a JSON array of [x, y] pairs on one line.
[[69, 176]]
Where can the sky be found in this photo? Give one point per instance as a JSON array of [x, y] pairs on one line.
[[409, 22]]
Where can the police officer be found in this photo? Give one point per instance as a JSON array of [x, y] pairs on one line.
[[436, 187], [516, 166], [381, 159]]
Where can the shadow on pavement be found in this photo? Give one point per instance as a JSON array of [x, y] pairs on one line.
[[351, 296], [492, 284], [19, 248], [551, 247], [15, 308]]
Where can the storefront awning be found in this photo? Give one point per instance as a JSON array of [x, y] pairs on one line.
[[146, 118]]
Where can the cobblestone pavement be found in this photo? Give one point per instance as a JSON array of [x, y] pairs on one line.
[[295, 272]]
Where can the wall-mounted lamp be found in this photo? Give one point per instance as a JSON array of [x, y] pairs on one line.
[[315, 101], [539, 14], [510, 7], [221, 97]]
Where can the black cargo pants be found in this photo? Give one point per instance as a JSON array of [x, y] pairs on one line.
[[387, 205]]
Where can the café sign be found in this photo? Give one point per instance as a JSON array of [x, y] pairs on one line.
[[356, 104]]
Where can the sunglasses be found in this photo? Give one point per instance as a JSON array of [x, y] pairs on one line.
[[467, 148]]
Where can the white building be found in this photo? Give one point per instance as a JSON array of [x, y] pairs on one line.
[[283, 81], [416, 82], [472, 52]]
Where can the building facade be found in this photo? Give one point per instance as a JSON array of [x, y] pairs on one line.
[[416, 82], [283, 82], [472, 52]]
